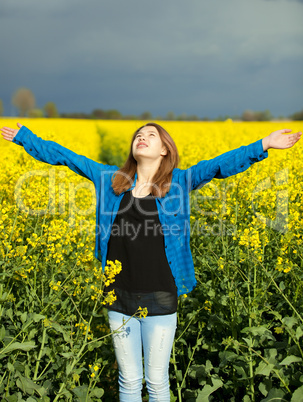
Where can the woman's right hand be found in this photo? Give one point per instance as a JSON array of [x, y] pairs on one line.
[[9, 133]]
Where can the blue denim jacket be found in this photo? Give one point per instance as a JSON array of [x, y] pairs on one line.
[[173, 209]]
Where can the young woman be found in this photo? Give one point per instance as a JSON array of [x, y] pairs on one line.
[[142, 220]]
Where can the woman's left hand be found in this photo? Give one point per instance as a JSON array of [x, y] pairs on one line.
[[277, 139]]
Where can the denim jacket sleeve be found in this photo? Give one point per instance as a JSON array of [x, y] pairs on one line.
[[225, 165], [54, 154]]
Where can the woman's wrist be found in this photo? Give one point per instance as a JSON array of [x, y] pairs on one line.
[[265, 144]]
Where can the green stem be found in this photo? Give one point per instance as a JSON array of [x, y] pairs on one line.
[[191, 357], [40, 354], [49, 362], [180, 336], [176, 370]]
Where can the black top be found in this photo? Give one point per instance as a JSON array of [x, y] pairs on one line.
[[137, 241]]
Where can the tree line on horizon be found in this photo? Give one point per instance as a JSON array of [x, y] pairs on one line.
[[24, 100]]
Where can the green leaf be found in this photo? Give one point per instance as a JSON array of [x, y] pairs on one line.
[[37, 317], [208, 366], [67, 394], [94, 345], [197, 371], [179, 375], [240, 371], [264, 369], [67, 354], [11, 398], [68, 369], [289, 321], [10, 367], [97, 392], [25, 346], [32, 333], [208, 390], [275, 395], [2, 333], [262, 330], [297, 395], [81, 392], [9, 314], [265, 386], [60, 329], [173, 398], [271, 354], [299, 332], [262, 389], [227, 356], [23, 317], [28, 386], [290, 359], [248, 341]]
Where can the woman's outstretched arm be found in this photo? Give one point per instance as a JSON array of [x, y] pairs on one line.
[[53, 153], [237, 160]]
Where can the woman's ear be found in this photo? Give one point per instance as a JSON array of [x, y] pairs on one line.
[[164, 151]]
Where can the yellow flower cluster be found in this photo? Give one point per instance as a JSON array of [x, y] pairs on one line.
[[55, 286], [105, 278], [254, 238], [94, 369], [84, 328], [142, 312], [207, 305], [111, 270]]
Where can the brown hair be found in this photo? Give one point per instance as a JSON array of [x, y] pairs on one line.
[[124, 177]]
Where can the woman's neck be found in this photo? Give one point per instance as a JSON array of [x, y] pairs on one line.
[[146, 172]]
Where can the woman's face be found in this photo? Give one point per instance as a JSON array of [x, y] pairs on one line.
[[148, 144]]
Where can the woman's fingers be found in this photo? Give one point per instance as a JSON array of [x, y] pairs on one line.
[[292, 139], [8, 133], [296, 137]]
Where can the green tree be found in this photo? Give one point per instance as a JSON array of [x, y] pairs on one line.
[[248, 115], [24, 100], [113, 114], [182, 116], [130, 117], [98, 114], [170, 116], [297, 115], [50, 110], [192, 117], [263, 116], [146, 116], [35, 113]]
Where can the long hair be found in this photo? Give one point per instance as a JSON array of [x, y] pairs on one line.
[[161, 181]]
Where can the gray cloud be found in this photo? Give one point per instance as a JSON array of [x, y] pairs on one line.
[[161, 56]]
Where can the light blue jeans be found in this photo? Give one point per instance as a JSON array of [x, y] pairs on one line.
[[153, 334]]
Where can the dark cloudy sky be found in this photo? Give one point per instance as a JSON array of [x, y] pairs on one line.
[[204, 57]]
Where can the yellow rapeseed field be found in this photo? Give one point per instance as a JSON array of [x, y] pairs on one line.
[[245, 315], [272, 187]]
